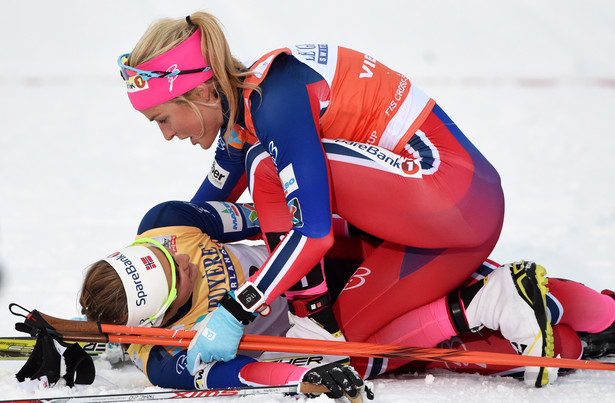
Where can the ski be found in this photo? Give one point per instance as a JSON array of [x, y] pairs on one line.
[[19, 348], [163, 395]]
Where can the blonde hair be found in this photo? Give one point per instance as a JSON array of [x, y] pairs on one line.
[[229, 72], [103, 298]]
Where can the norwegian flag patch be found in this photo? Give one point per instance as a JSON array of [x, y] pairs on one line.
[[148, 262]]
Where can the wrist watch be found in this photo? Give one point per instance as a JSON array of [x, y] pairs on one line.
[[250, 298]]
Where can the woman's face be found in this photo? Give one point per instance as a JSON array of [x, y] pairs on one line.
[[186, 276], [180, 120]]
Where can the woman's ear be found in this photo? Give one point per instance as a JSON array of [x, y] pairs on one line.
[[206, 93]]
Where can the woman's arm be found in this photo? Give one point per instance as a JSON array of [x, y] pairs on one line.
[[168, 370], [226, 179], [225, 222], [287, 123]]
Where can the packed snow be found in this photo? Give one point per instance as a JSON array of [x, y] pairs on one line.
[[531, 83]]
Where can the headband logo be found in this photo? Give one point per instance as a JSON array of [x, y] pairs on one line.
[[148, 262], [133, 274], [172, 69]]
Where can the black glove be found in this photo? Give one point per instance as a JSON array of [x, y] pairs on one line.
[[339, 379], [45, 359]]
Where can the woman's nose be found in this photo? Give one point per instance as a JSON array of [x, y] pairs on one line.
[[182, 259], [167, 133]]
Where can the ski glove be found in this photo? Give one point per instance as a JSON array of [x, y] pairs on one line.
[[339, 379], [218, 334]]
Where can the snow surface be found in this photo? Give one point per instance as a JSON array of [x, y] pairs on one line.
[[531, 83]]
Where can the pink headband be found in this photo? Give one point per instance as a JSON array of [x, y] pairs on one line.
[[146, 90]]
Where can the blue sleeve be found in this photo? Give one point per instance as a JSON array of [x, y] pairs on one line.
[[287, 122], [223, 221], [225, 173], [169, 371]]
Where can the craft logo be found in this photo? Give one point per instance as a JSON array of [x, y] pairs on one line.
[[273, 152], [180, 365], [358, 278], [172, 69], [221, 141]]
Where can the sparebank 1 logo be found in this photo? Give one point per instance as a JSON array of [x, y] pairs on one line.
[[358, 278], [409, 166], [405, 165]]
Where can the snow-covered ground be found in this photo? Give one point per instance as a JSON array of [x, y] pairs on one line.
[[531, 83]]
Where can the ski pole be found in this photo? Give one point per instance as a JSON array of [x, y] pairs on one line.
[[356, 349], [171, 337]]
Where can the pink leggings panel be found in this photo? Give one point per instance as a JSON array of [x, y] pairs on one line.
[[584, 309], [397, 279]]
